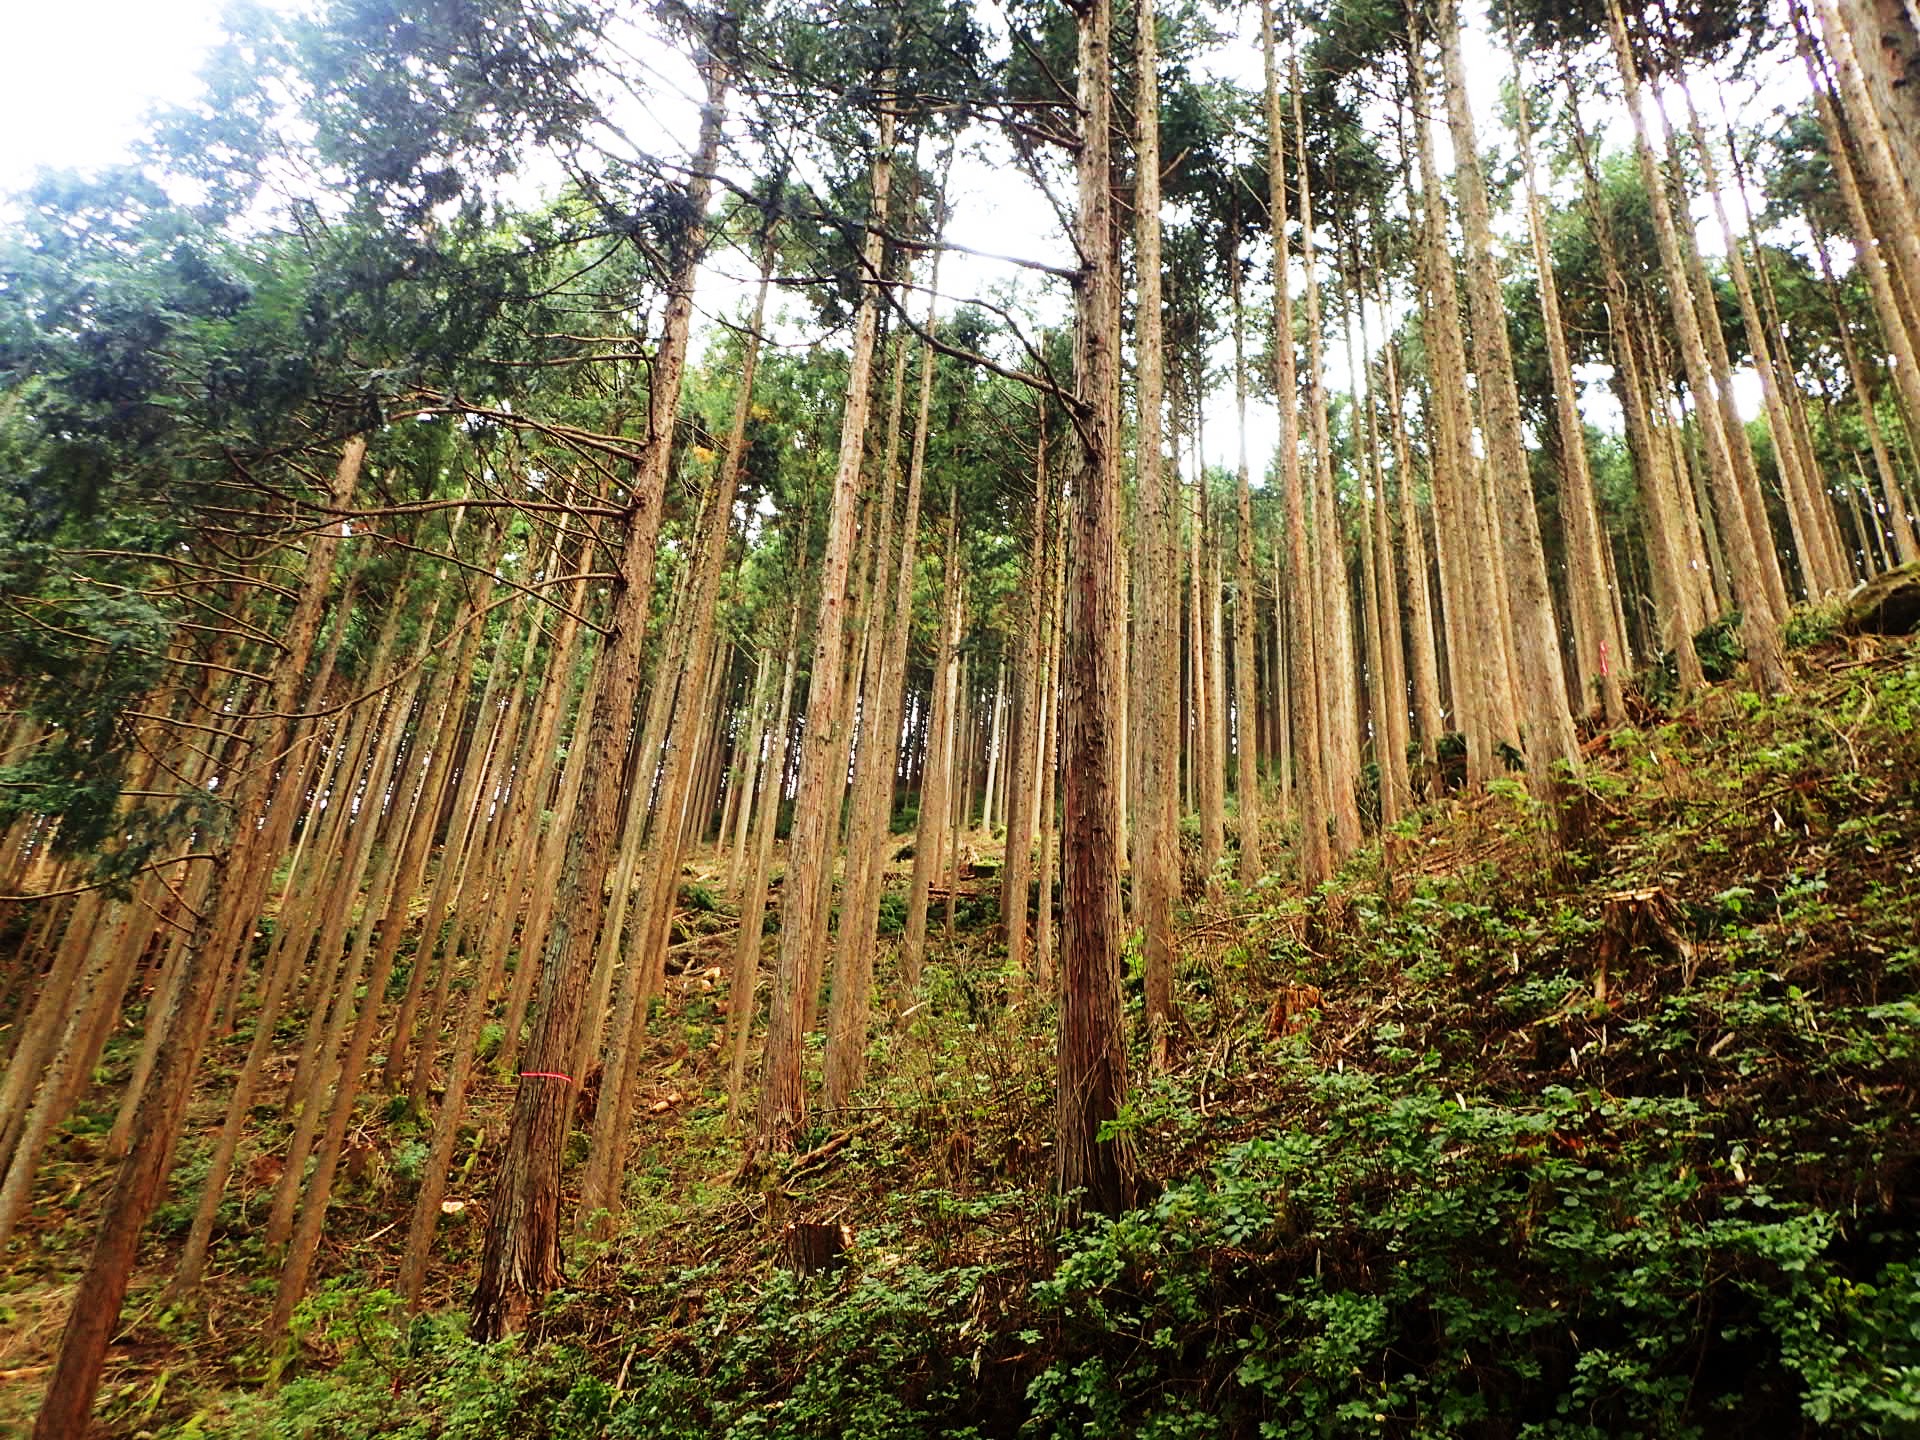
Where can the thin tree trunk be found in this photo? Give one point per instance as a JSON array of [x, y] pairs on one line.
[[227, 919], [1586, 572], [1246, 774], [753, 907], [1759, 626], [1549, 737], [1339, 687], [521, 1258], [1308, 751], [823, 757], [1092, 1168]]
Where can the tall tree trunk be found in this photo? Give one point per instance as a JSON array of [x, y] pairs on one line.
[[1246, 772], [1746, 472], [660, 884], [226, 921], [1427, 714], [930, 833], [878, 761], [742, 992], [1759, 625], [1884, 36], [1339, 685], [1478, 637], [1549, 736], [521, 1258], [1586, 572], [1303, 667], [1092, 1168], [816, 813], [1023, 816]]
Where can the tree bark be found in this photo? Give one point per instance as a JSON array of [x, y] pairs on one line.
[[521, 1258], [803, 911], [1093, 1169]]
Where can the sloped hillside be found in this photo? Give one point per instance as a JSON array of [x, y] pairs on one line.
[[1508, 1133]]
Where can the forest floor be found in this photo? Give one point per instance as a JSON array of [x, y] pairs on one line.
[[1604, 1130]]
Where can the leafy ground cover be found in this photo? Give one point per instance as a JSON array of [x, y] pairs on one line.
[[1507, 1133]]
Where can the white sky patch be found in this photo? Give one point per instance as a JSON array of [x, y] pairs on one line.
[[80, 77]]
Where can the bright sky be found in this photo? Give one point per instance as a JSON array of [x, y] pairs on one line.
[[81, 75]]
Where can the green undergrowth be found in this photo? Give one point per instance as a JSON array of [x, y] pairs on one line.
[[1608, 1131]]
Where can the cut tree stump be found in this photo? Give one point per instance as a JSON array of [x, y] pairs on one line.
[[1638, 920], [1889, 604], [811, 1248]]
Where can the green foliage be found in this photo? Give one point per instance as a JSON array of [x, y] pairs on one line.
[[698, 899], [1526, 1267], [893, 913]]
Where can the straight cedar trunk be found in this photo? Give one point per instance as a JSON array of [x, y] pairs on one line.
[[1398, 778], [846, 1056], [1667, 557], [1477, 631], [936, 783], [1760, 628], [1428, 716], [1884, 36], [1093, 1170], [1746, 471], [521, 1259], [1203, 762], [1388, 652], [742, 991], [447, 704], [1819, 501], [641, 772], [1246, 772], [1339, 681], [315, 758], [1216, 675], [1156, 737], [1868, 256], [1043, 925], [961, 793], [1282, 690], [1895, 209], [1549, 736], [519, 883], [226, 920], [417, 838], [660, 883], [469, 801], [990, 787], [1819, 563], [803, 912], [1873, 545], [278, 973], [334, 998], [388, 896], [1308, 749], [750, 777], [447, 1122], [474, 903], [1598, 672], [1898, 518], [1023, 813], [1379, 726], [875, 757]]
